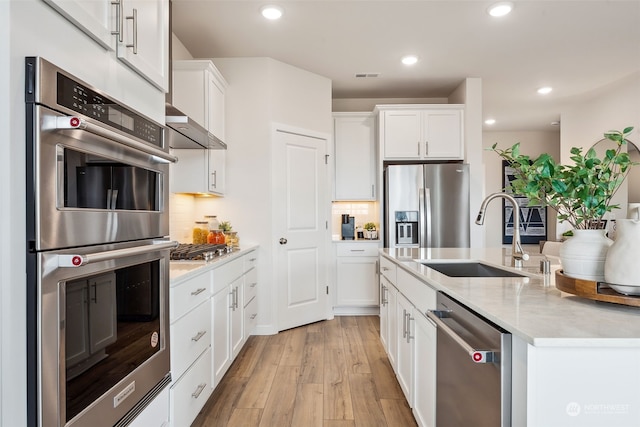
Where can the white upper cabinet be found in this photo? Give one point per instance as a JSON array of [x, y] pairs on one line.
[[355, 156], [144, 45], [199, 91], [425, 133], [137, 30]]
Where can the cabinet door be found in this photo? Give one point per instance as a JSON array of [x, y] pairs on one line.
[[402, 135], [92, 17], [215, 106], [145, 43], [424, 371], [392, 342], [221, 333], [76, 322], [103, 321], [355, 157], [443, 134], [217, 160], [357, 281], [404, 363], [190, 174], [237, 317]]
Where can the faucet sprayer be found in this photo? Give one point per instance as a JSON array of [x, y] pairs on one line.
[[517, 253]]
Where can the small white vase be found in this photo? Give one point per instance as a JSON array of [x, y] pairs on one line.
[[583, 255], [622, 267]]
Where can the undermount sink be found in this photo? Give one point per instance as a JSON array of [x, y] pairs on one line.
[[470, 269]]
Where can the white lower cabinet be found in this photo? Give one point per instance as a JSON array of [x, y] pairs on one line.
[[424, 371], [221, 334], [404, 362], [388, 321], [156, 414], [409, 338], [190, 393], [356, 277]]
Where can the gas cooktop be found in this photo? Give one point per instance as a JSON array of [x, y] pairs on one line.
[[193, 252]]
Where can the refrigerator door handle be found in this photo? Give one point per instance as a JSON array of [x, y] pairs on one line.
[[427, 204], [424, 226]]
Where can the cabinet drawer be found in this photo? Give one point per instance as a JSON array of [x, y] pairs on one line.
[[190, 393], [227, 273], [250, 317], [388, 269], [357, 249], [250, 285], [189, 294], [190, 336], [250, 261], [421, 295]]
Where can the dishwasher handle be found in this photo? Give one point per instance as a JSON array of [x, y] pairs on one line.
[[478, 356]]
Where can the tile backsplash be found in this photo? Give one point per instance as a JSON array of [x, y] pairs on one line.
[[362, 211]]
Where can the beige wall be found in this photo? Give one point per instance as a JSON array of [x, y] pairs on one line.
[[531, 143]]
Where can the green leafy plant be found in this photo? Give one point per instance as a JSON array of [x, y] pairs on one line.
[[580, 193], [225, 226], [369, 226]]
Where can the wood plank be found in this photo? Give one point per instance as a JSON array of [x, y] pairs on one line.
[[339, 423], [308, 410], [257, 390], [312, 365], [248, 358], [368, 330], [397, 413], [367, 411], [337, 390], [278, 411], [218, 409], [348, 321], [294, 347], [333, 333], [244, 417], [356, 356], [387, 385]]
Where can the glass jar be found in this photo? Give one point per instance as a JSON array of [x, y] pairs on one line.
[[232, 239], [214, 224], [200, 231]]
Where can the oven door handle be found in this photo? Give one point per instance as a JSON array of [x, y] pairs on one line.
[[80, 260], [478, 356], [74, 122]]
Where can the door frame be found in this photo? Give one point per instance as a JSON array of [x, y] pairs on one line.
[[275, 236]]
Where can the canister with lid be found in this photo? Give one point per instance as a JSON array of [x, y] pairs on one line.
[[200, 231]]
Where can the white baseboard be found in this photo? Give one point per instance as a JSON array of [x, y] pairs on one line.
[[356, 311]]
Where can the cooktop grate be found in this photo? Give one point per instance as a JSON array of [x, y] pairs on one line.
[[190, 251]]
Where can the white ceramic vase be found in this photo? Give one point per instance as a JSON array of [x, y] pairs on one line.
[[622, 267], [583, 255]]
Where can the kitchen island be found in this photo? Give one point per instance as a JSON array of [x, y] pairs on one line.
[[575, 362]]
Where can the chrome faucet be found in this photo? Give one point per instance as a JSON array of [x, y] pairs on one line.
[[517, 254]]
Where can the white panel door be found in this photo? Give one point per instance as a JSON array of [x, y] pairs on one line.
[[300, 225]]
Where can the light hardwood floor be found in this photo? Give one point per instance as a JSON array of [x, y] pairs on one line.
[[333, 373]]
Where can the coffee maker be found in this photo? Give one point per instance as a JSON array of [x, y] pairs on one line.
[[348, 227]]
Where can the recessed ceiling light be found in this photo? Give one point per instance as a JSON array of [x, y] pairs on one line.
[[490, 122], [409, 60], [500, 9], [545, 90], [271, 12]]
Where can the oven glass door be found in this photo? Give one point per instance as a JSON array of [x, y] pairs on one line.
[[112, 337], [86, 181]]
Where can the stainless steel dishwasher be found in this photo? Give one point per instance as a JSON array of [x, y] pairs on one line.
[[473, 374]]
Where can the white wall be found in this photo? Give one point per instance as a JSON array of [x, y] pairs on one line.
[[262, 91], [532, 143], [614, 106]]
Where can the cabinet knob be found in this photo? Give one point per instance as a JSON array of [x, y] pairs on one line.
[[283, 241]]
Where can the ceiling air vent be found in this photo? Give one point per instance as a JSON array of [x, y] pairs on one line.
[[367, 75]]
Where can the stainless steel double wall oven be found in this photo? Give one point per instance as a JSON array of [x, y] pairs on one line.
[[97, 253]]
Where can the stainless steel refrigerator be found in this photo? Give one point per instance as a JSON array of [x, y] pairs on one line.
[[426, 205]]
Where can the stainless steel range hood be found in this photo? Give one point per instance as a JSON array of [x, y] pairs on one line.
[[184, 132]]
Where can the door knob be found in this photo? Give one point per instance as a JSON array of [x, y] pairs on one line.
[[283, 241]]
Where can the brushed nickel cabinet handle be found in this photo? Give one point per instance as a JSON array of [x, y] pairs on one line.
[[198, 391], [198, 336]]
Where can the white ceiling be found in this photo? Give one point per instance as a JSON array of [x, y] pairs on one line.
[[575, 46]]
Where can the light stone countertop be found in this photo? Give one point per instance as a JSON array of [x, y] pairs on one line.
[[530, 307], [184, 270]]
